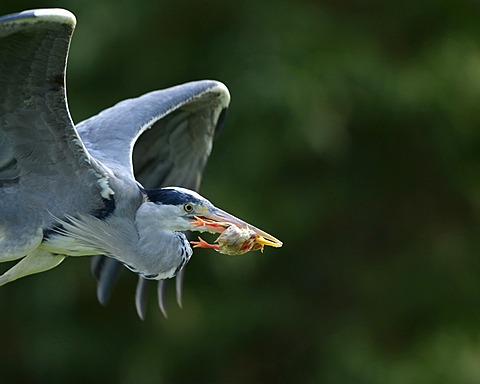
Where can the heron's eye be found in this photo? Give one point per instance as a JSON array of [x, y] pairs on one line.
[[188, 207]]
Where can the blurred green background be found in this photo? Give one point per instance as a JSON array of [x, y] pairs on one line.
[[353, 136]]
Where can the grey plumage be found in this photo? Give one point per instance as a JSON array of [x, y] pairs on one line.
[[79, 181]]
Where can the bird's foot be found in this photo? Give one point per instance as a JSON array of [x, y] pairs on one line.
[[210, 225], [203, 244]]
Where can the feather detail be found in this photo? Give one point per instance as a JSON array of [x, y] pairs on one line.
[[149, 251], [80, 236]]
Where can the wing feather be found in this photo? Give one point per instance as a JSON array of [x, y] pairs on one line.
[[45, 170], [176, 127]]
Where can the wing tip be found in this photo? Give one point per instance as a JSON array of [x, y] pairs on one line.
[[222, 90], [55, 15]]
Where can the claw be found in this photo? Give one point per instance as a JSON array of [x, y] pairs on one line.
[[161, 290], [141, 297], [179, 286]]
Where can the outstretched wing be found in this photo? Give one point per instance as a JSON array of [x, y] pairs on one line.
[[45, 170], [181, 121], [172, 131]]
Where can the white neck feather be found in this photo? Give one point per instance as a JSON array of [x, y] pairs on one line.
[[150, 245]]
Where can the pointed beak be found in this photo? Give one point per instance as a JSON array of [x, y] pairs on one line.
[[217, 220]]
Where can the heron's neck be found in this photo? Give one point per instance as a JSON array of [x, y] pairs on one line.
[[158, 216], [163, 249]]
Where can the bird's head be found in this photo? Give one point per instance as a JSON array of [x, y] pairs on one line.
[[181, 209]]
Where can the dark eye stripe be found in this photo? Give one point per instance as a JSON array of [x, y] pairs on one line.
[[170, 197]]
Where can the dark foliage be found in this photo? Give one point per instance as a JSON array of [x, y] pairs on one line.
[[353, 136]]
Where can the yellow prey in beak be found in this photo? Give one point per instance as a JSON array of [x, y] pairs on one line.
[[237, 237]]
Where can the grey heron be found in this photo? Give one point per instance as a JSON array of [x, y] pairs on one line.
[[69, 190]]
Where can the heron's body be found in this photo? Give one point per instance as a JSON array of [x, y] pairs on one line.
[[69, 190]]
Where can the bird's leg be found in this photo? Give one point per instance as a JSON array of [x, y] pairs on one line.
[[210, 225], [203, 244], [36, 261]]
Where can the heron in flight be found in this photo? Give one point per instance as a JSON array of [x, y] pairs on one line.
[[69, 190]]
